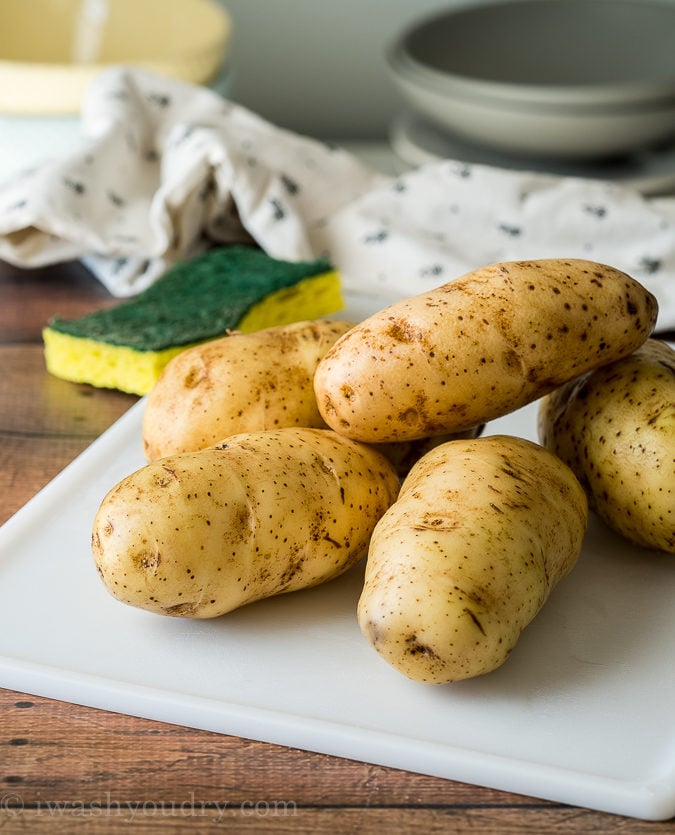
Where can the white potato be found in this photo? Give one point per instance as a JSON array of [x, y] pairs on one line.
[[243, 382], [479, 347], [466, 557], [615, 427], [201, 533]]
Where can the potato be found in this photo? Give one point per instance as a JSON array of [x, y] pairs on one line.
[[199, 534], [468, 554], [615, 427], [240, 383], [479, 347]]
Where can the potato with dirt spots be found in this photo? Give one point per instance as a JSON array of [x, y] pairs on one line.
[[200, 534], [243, 382], [479, 347], [615, 427], [461, 563]]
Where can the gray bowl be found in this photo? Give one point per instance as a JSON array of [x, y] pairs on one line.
[[559, 78]]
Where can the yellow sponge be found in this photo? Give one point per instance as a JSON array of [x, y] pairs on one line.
[[226, 289]]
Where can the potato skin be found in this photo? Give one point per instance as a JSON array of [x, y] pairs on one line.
[[200, 534], [479, 347], [239, 383], [468, 554], [615, 427]]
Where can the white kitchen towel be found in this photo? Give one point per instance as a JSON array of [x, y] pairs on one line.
[[437, 222], [167, 168]]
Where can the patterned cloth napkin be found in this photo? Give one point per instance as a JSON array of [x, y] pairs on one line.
[[166, 169]]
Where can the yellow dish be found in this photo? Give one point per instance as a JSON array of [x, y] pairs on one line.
[[51, 49]]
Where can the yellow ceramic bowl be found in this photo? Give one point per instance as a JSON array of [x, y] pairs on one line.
[[51, 49]]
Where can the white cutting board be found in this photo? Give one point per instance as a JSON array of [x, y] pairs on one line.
[[583, 712]]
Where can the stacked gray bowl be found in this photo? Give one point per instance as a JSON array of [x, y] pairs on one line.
[[551, 80]]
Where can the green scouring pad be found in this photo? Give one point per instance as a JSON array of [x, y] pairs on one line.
[[225, 289]]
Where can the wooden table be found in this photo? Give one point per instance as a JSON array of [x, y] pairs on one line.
[[67, 768]]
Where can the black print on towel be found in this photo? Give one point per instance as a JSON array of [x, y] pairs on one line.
[[20, 204], [290, 185], [278, 210], [461, 170], [118, 265], [432, 271], [650, 265], [182, 137], [115, 199], [595, 211], [512, 231], [75, 186], [160, 99], [378, 237]]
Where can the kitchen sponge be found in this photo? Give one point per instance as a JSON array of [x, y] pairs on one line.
[[228, 288]]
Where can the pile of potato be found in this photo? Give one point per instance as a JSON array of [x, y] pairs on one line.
[[277, 460]]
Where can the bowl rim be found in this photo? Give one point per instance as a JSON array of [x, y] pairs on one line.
[[632, 97], [638, 94]]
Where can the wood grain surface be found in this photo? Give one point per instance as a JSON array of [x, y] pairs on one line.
[[66, 768]]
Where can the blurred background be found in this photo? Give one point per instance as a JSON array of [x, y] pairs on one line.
[[318, 67], [321, 69]]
